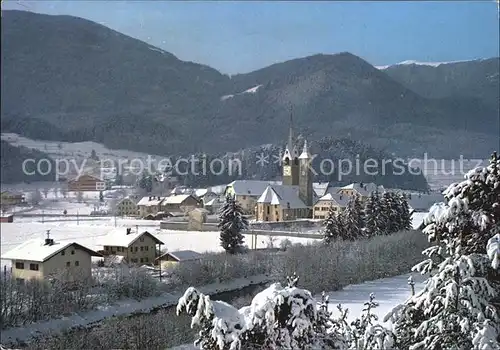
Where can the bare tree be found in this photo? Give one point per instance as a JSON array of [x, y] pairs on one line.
[[64, 191], [55, 190], [79, 196], [35, 197]]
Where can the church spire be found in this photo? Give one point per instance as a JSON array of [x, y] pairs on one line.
[[290, 135], [305, 152]]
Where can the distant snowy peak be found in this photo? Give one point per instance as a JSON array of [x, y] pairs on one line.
[[418, 63], [249, 91]]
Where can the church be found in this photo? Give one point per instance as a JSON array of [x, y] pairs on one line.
[[295, 197]]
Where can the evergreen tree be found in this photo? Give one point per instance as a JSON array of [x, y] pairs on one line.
[[459, 307], [391, 212], [375, 217], [93, 155], [353, 217], [332, 227], [405, 221], [146, 182], [101, 197], [232, 223]]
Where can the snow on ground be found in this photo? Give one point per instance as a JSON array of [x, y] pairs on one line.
[[389, 292], [252, 90], [418, 63], [91, 235], [60, 150]]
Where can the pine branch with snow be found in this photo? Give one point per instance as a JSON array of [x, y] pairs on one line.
[[460, 304]]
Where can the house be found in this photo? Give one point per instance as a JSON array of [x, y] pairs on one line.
[[171, 259], [337, 201], [12, 198], [127, 207], [7, 218], [149, 205], [361, 189], [422, 202], [180, 203], [246, 193], [135, 247], [45, 259], [86, 182], [213, 205]]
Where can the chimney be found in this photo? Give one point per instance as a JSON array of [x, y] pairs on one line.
[[149, 197], [49, 241], [158, 197], [361, 184], [129, 230]]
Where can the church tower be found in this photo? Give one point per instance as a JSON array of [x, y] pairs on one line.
[[291, 160], [306, 177]]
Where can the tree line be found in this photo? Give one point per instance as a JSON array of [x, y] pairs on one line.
[[379, 214]]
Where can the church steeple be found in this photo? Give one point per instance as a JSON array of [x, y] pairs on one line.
[[291, 159]]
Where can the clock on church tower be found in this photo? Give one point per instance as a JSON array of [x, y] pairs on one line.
[[287, 170]]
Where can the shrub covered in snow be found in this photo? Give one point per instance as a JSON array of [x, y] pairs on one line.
[[459, 307]]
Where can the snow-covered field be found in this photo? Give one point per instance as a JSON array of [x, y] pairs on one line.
[[59, 150], [92, 234], [389, 292]]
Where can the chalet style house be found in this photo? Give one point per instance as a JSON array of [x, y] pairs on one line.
[[85, 183], [48, 259], [127, 207], [135, 247]]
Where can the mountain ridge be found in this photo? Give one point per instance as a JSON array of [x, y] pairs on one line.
[[97, 84]]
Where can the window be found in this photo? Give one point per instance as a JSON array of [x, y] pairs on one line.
[[19, 265], [146, 248], [68, 264], [141, 260], [77, 263], [34, 267], [63, 253], [106, 248], [146, 259], [136, 249], [268, 210], [72, 252], [118, 249], [141, 239], [243, 197], [142, 248]]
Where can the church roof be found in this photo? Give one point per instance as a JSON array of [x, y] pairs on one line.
[[282, 195], [249, 187]]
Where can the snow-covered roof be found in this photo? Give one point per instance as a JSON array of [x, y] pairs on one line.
[[364, 189], [282, 195], [150, 201], [36, 250], [320, 188], [200, 192], [182, 255], [337, 198], [176, 199], [249, 187], [120, 238]]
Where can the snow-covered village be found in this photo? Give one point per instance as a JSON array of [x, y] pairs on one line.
[[324, 202]]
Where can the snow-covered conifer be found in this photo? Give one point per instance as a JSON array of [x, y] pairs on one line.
[[353, 219], [232, 223], [332, 227], [459, 306]]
